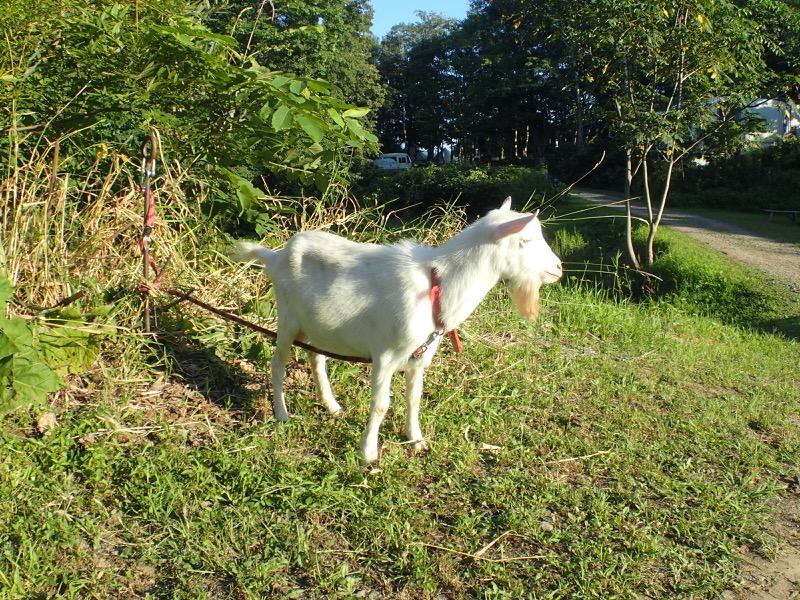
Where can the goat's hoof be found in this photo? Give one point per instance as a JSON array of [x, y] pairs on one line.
[[368, 459], [419, 446]]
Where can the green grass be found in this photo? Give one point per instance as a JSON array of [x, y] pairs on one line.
[[611, 449], [713, 285]]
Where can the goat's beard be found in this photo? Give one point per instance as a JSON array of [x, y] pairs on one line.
[[525, 295]]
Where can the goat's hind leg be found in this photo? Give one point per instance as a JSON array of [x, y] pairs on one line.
[[413, 396], [283, 349], [322, 384]]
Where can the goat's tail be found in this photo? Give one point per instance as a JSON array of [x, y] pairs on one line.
[[247, 251]]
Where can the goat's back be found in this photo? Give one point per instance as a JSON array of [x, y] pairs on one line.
[[348, 297]]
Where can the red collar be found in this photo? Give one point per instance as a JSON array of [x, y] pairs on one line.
[[436, 303]]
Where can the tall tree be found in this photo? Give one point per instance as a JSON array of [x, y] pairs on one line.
[[654, 68], [325, 39], [513, 109], [415, 61]]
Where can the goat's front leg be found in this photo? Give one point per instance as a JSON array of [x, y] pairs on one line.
[[378, 407], [322, 384], [413, 396]]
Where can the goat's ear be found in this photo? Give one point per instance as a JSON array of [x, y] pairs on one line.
[[506, 204], [512, 227]]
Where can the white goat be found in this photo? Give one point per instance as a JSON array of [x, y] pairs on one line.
[[391, 304]]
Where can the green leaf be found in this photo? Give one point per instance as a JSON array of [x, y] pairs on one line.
[[17, 335], [337, 118], [360, 133], [313, 127], [356, 113], [280, 81], [70, 349], [321, 181], [7, 346], [247, 193], [282, 118], [265, 111], [31, 381], [69, 313], [103, 310], [6, 290], [316, 85], [24, 378]]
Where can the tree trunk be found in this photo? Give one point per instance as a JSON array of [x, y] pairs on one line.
[[580, 136], [656, 221], [629, 214]]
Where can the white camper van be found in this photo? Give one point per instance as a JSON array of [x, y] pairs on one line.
[[393, 160]]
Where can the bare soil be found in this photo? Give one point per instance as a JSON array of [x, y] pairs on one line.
[[762, 578], [781, 260], [778, 578]]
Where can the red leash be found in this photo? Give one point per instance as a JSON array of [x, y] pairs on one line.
[[435, 293]]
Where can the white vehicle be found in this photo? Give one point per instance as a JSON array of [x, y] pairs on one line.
[[393, 160]]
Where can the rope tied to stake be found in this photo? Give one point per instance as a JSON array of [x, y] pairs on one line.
[[148, 171]]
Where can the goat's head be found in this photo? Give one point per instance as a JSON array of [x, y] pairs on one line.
[[528, 262]]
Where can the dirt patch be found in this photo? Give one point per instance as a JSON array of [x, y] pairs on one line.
[[761, 578], [780, 260], [764, 579]]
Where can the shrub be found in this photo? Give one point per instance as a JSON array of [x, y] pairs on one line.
[[763, 178], [572, 162], [477, 188], [98, 77]]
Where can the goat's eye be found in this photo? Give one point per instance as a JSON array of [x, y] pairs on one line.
[[524, 241]]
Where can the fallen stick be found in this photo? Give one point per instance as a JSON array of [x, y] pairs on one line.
[[574, 458]]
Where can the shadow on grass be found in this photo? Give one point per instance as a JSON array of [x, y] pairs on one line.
[[789, 327], [195, 362]]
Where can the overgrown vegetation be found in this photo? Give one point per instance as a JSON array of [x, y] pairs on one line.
[[475, 187], [657, 83], [761, 178], [684, 276], [87, 84], [617, 447], [561, 463]]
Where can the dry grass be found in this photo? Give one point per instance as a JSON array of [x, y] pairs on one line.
[[61, 236], [77, 243]]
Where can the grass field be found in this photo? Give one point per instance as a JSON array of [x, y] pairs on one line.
[[611, 449]]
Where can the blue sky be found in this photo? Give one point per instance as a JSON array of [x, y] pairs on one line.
[[393, 12]]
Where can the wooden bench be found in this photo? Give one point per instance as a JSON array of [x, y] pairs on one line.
[[768, 212]]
